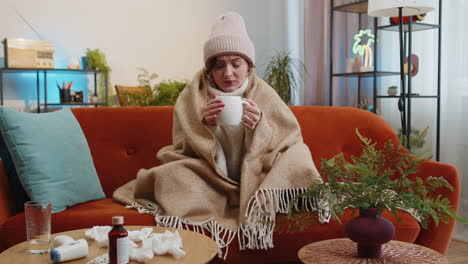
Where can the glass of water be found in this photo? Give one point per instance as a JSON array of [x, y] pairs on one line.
[[38, 214]]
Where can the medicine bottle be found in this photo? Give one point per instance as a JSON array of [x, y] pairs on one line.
[[118, 242]]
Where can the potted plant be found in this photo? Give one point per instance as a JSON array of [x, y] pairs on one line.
[[392, 90], [96, 60], [283, 73], [378, 179], [94, 98], [168, 91], [417, 142], [164, 93], [145, 78]]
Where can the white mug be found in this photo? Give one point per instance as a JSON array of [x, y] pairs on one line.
[[231, 115]]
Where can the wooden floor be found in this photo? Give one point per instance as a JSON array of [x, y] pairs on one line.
[[458, 252]]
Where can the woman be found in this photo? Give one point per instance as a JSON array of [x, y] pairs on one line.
[[227, 75], [229, 180]]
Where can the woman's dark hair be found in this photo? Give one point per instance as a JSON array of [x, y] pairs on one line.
[[212, 63]]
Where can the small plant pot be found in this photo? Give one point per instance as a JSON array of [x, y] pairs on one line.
[[392, 91], [93, 99]]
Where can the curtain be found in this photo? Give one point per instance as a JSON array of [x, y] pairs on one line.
[[317, 34], [454, 100]]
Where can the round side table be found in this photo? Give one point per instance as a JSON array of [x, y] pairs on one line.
[[344, 251], [199, 248]]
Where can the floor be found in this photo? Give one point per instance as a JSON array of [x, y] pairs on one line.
[[458, 252]]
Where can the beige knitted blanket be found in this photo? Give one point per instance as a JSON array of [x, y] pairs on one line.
[[189, 190]]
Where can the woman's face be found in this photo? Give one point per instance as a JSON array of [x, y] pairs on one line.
[[230, 72]]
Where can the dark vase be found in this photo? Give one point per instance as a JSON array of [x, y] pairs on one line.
[[369, 232]]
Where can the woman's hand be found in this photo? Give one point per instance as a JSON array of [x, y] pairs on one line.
[[252, 114], [211, 110]]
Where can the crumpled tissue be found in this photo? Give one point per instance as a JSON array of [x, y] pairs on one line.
[[159, 244], [140, 235], [99, 233], [144, 253], [168, 243]]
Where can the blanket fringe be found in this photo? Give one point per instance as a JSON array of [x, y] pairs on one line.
[[222, 236], [151, 208], [257, 231]]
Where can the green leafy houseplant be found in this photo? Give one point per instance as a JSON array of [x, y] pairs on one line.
[[165, 93], [96, 60], [145, 77], [283, 73], [417, 142], [168, 92], [382, 178], [392, 90]]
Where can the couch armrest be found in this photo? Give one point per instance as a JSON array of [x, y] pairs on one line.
[[7, 204], [438, 238]]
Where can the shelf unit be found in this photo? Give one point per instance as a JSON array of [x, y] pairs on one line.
[[359, 8], [44, 71]]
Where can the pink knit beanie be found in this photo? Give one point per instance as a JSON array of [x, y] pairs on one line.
[[229, 36]]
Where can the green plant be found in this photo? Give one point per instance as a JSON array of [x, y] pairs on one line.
[[145, 77], [140, 98], [382, 178], [165, 93], [393, 87], [283, 73], [96, 60], [169, 91], [417, 141]]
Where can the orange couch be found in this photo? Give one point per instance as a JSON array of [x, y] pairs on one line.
[[123, 140]]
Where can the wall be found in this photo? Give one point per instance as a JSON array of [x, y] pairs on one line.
[[165, 37]]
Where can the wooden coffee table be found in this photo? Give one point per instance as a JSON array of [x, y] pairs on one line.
[[199, 249], [344, 251]]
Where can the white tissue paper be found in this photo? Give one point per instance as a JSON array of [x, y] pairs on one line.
[[160, 244], [168, 243], [140, 235], [144, 253], [99, 233]]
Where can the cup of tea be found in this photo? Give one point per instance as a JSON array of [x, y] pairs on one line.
[[231, 115]]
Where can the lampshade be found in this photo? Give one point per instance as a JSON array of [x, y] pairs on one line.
[[389, 8]]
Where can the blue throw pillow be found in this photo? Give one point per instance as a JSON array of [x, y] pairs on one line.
[[51, 157]]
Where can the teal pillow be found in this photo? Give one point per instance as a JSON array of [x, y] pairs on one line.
[[51, 157]]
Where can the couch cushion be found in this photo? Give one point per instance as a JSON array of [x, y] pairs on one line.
[[86, 215], [123, 140], [51, 157]]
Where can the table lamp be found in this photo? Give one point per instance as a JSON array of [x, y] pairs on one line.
[[400, 8]]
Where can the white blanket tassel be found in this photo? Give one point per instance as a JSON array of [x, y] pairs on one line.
[[257, 231]]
